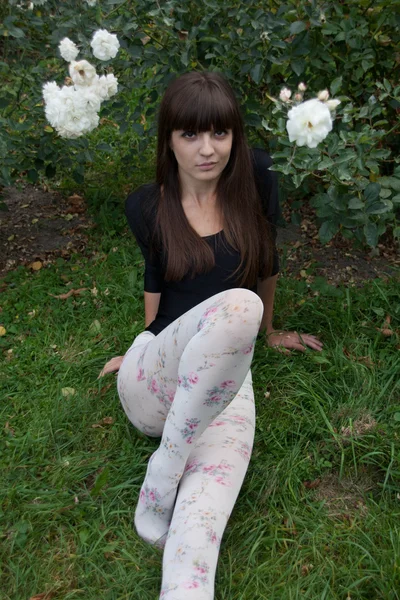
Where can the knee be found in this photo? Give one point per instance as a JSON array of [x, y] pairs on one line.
[[247, 298]]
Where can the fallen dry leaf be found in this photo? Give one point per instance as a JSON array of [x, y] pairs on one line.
[[70, 293], [305, 569], [366, 360], [3, 330], [9, 429], [36, 266], [67, 392], [76, 199], [312, 485], [385, 332]]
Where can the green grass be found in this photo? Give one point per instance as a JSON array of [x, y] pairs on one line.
[[318, 515]]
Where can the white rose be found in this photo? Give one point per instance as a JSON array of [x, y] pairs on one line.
[[71, 113], [309, 123], [332, 104], [105, 45], [285, 94], [302, 87], [91, 2], [50, 89], [107, 86], [82, 72], [93, 99], [323, 96], [68, 50], [264, 36]]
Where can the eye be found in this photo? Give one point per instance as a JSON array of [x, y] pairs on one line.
[[220, 132], [188, 135]]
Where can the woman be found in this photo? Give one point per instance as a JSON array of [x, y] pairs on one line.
[[210, 274]]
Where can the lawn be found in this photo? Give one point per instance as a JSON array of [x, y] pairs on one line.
[[318, 516]]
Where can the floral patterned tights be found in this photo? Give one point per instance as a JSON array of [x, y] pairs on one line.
[[191, 384]]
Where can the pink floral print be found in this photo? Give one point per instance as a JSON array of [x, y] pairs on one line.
[[206, 422], [224, 393], [189, 430], [188, 381]]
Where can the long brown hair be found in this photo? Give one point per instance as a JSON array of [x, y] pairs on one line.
[[203, 102]]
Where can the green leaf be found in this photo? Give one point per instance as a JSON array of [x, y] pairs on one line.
[[390, 182], [377, 208], [297, 27], [298, 66], [336, 85], [356, 203], [396, 232], [387, 85], [78, 176], [16, 32], [325, 163], [185, 58], [101, 481], [385, 193], [33, 175], [255, 73], [50, 171], [371, 192], [327, 231], [371, 234], [84, 535]]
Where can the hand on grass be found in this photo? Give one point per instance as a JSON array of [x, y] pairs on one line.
[[112, 365], [284, 341]]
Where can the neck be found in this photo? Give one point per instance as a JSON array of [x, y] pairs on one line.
[[201, 192]]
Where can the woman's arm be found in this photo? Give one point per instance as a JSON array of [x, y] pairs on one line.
[[266, 290], [283, 340], [151, 304]]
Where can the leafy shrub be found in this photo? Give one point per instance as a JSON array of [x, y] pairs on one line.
[[353, 178]]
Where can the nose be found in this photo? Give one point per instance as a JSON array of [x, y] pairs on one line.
[[206, 148]]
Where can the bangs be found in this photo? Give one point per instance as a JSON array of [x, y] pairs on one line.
[[202, 109]]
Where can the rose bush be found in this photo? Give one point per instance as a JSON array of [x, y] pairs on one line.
[[351, 49]]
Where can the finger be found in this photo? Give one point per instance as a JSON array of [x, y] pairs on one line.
[[295, 346], [316, 345], [314, 339], [280, 349], [108, 368]]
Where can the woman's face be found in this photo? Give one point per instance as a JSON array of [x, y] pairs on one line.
[[201, 156]]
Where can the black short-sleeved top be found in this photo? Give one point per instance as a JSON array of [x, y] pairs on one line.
[[177, 297]]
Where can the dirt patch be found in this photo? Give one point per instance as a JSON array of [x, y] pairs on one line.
[[345, 497], [37, 226], [365, 423], [303, 256]]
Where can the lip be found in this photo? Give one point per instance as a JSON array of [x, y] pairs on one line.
[[209, 165]]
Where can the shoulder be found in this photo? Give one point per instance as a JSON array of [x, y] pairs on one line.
[[141, 196], [266, 182], [141, 203], [261, 162]]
